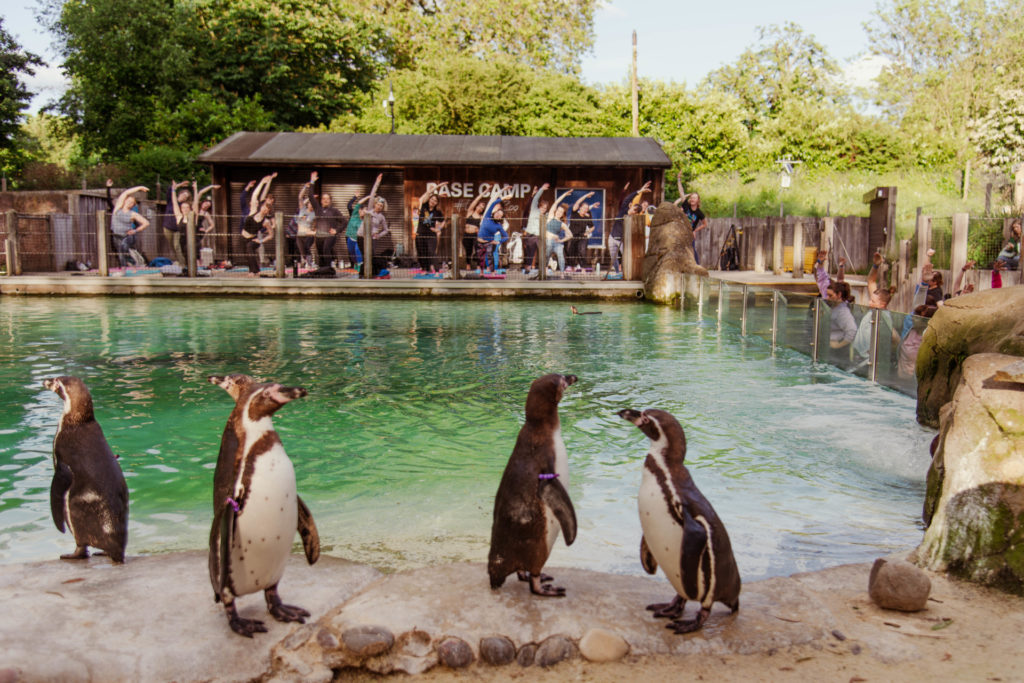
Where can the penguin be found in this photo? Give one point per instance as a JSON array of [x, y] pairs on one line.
[[532, 502], [256, 506], [88, 492], [681, 531]]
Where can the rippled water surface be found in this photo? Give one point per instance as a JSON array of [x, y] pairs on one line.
[[414, 407]]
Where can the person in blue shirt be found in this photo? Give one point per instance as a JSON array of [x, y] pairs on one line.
[[492, 233]]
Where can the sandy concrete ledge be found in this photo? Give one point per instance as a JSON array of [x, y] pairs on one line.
[[154, 619]]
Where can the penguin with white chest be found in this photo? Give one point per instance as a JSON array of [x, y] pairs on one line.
[[257, 509], [532, 503], [88, 493], [681, 531]]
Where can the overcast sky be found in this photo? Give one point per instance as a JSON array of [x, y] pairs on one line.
[[678, 41]]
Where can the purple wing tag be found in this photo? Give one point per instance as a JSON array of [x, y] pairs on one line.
[[548, 476]]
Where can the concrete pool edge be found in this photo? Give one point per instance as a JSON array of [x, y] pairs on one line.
[[154, 619], [70, 284]]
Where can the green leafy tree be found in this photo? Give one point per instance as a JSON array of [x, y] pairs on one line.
[[547, 34], [999, 134], [786, 65], [305, 60], [14, 98], [946, 60]]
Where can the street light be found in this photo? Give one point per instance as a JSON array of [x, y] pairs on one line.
[[389, 104]]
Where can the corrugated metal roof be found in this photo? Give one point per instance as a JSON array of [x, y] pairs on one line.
[[434, 150]]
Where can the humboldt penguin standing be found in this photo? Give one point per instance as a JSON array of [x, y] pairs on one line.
[[88, 492], [681, 531], [532, 502], [256, 506]]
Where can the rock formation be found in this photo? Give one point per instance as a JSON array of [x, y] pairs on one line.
[[974, 503], [670, 253], [983, 322]]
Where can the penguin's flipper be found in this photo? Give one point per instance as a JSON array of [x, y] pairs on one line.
[[227, 537], [650, 564], [307, 530], [694, 555], [59, 487], [213, 558], [556, 498]]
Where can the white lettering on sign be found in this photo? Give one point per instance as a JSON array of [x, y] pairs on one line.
[[456, 190]]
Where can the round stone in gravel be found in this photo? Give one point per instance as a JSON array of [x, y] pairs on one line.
[[600, 645], [555, 649], [526, 654], [367, 641], [497, 650], [455, 653]]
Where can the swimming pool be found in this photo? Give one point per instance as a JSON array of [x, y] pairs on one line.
[[413, 409]]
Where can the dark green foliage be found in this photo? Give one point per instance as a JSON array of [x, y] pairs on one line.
[[15, 63]]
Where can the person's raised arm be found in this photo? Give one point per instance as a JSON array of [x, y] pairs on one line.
[[495, 198], [626, 201], [576, 206], [679, 185], [110, 200], [199, 194], [841, 275], [554, 205], [873, 275], [537, 192], [174, 200], [373, 192], [314, 196], [123, 197], [960, 277], [431, 189], [260, 192]]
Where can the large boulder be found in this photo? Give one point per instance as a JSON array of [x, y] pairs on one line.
[[974, 504], [983, 322], [670, 253]]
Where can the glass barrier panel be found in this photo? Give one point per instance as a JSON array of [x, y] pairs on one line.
[[796, 322], [759, 312], [899, 374], [732, 304]]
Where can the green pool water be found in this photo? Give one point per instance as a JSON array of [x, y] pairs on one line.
[[414, 407]]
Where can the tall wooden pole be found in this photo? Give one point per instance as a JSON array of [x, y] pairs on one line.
[[635, 93]]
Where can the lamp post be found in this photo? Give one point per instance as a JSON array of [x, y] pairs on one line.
[[389, 104]]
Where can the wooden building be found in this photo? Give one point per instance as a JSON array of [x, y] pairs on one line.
[[348, 164]]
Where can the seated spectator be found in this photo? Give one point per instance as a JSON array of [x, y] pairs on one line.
[[843, 328], [934, 294], [997, 276], [878, 298], [1010, 255], [908, 348]]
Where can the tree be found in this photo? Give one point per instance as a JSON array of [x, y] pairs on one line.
[[786, 65], [999, 134], [547, 34], [306, 61], [14, 96], [946, 60]]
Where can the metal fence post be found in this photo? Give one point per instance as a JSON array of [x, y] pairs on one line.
[[873, 356], [190, 243], [542, 251], [798, 250], [743, 314], [814, 338], [775, 318], [13, 250], [700, 298], [721, 287], [279, 243], [102, 243]]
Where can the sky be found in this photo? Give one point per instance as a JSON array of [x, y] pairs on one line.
[[679, 41]]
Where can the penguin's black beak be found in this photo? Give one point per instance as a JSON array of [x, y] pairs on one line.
[[631, 415]]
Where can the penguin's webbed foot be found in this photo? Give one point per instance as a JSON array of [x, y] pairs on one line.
[[545, 589], [281, 611], [669, 610], [243, 627], [246, 627], [692, 625], [544, 578], [81, 553]]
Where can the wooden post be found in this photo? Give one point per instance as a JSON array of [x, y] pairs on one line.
[[798, 251], [635, 251], [367, 273], [635, 94], [924, 239], [457, 228], [102, 243], [279, 245], [190, 243], [958, 246], [627, 248], [829, 223], [13, 250], [777, 261]]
